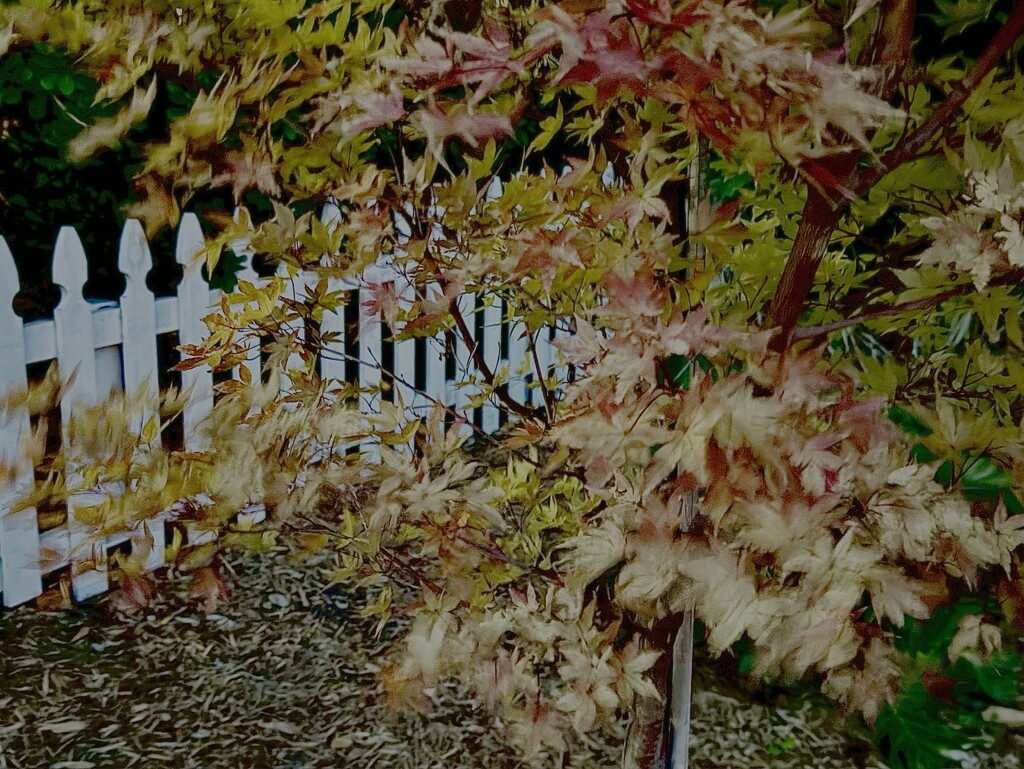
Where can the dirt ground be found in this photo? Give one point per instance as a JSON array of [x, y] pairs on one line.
[[283, 678]]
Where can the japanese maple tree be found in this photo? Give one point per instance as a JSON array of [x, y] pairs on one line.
[[795, 300]]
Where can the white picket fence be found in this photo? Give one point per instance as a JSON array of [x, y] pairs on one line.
[[113, 346]]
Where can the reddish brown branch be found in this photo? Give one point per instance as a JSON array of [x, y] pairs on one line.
[[915, 141], [821, 215], [481, 363], [812, 332]]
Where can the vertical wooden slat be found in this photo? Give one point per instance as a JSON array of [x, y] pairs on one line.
[[492, 354], [436, 387], [139, 360], [193, 304], [20, 573], [519, 361], [369, 352], [138, 318], [546, 359], [242, 248], [295, 289], [76, 358], [405, 351], [459, 389], [332, 364]]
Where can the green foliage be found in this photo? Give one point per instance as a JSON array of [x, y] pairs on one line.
[[940, 714], [820, 361]]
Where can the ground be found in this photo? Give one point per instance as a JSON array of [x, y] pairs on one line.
[[282, 677]]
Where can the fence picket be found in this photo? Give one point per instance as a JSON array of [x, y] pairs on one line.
[[20, 572], [139, 361], [138, 316], [492, 354], [370, 349], [193, 304], [242, 248], [76, 359], [520, 363], [113, 345]]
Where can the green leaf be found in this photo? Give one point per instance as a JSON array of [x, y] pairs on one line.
[[914, 733], [680, 370], [996, 678], [954, 16], [907, 422], [984, 479], [931, 638]]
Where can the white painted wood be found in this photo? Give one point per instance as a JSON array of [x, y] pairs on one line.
[[519, 360], [546, 360], [295, 289], [76, 358], [463, 387], [138, 318], [436, 387], [20, 574], [369, 355], [369, 344], [139, 360], [405, 352], [492, 354], [333, 362], [41, 335], [109, 374], [242, 248], [193, 304], [561, 368]]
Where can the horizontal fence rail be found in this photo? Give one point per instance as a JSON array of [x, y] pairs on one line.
[[112, 346]]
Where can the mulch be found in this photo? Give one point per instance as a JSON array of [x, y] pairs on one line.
[[282, 676]]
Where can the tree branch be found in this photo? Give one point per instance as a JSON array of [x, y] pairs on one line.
[[812, 332], [481, 363], [821, 214], [914, 142]]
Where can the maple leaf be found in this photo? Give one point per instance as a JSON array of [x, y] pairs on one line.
[[208, 589], [544, 252], [661, 14], [246, 170], [375, 109], [472, 127], [612, 59], [583, 346], [134, 594], [107, 132]]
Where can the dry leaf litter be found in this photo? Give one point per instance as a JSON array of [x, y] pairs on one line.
[[283, 677]]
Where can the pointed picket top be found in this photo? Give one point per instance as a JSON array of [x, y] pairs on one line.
[[193, 304], [70, 268], [138, 317], [12, 341], [190, 240], [134, 259], [8, 279]]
